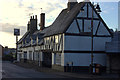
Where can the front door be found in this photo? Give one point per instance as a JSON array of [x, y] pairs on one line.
[[47, 59]]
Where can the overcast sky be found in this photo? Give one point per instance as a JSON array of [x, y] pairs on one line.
[[15, 14]]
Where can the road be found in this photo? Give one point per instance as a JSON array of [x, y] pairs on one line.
[[12, 71]]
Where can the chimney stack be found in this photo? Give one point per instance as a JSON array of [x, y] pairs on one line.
[[33, 24], [42, 21], [71, 4]]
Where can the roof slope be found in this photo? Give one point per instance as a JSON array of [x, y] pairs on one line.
[[24, 36], [27, 35], [64, 19]]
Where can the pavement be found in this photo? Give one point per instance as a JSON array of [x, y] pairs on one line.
[[69, 74]]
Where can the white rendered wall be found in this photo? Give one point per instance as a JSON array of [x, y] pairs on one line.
[[62, 59], [90, 12], [81, 43], [99, 43], [84, 59], [28, 55], [102, 30], [73, 28], [41, 56], [53, 59]]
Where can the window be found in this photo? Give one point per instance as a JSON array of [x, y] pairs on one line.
[[30, 55], [58, 58]]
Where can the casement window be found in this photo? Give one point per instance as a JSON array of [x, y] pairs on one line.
[[58, 58], [35, 57], [30, 55], [20, 56], [25, 55]]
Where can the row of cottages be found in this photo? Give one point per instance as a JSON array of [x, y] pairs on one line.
[[67, 42]]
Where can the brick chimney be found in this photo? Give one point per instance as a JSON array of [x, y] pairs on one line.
[[71, 4], [42, 21], [33, 24]]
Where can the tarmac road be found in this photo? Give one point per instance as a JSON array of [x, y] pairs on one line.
[[12, 71]]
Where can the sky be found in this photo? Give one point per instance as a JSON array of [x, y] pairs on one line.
[[16, 14]]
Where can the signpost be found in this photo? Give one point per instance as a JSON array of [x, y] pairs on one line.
[[16, 33]]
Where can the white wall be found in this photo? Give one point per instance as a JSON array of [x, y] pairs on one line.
[[84, 59], [102, 30], [80, 43], [99, 43], [73, 28], [83, 43]]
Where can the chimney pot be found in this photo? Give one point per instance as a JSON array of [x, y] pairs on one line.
[[35, 16], [31, 17]]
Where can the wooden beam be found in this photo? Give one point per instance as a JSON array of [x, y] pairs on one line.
[[87, 11], [71, 51], [87, 18], [78, 26], [82, 25], [97, 28], [85, 34]]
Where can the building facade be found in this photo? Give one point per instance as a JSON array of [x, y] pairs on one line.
[[113, 54], [68, 41], [1, 52]]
